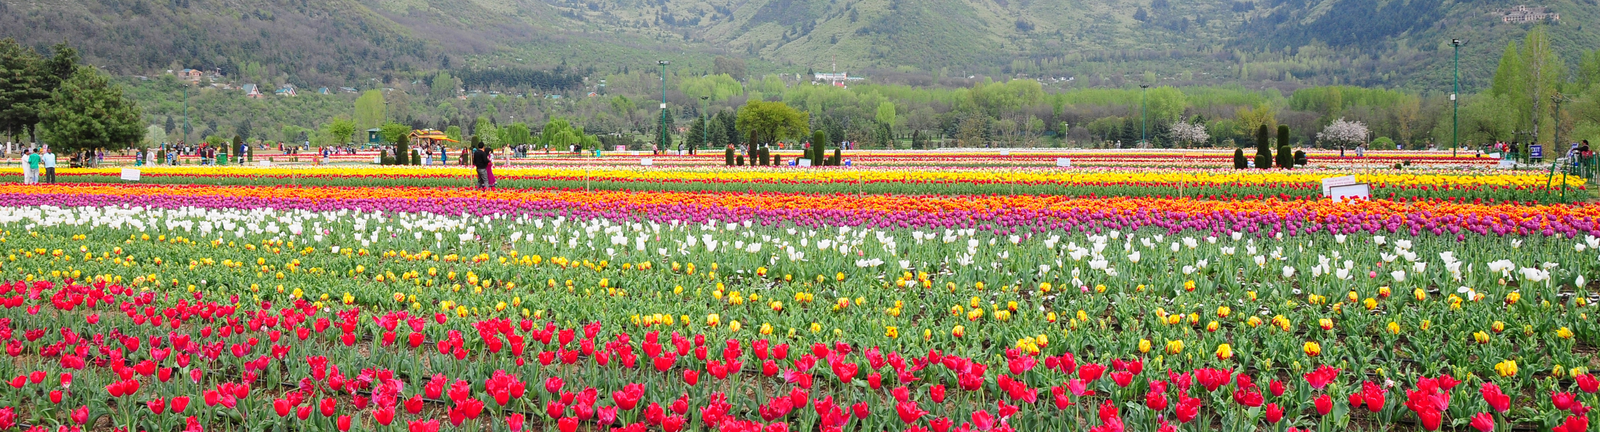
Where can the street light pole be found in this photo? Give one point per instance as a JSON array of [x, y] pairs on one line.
[[1455, 103], [705, 123], [1144, 115], [663, 136]]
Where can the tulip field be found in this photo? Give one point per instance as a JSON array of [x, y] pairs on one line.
[[634, 299], [1475, 185]]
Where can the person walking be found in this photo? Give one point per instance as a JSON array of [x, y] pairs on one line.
[[490, 168], [29, 167], [49, 162], [480, 160]]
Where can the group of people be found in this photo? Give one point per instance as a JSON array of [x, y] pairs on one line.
[[483, 161], [33, 161]]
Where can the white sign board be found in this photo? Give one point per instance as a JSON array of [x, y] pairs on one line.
[[803, 162], [1331, 182], [1507, 164], [1350, 192], [266, 163], [1064, 162], [1005, 152], [1494, 155], [377, 159], [647, 162], [130, 174]]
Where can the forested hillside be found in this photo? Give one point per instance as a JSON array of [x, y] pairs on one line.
[[1282, 43]]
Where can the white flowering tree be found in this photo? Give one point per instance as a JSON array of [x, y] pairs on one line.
[[1190, 133], [1344, 132]]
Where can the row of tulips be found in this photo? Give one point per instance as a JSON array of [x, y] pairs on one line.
[[1503, 186], [275, 367], [1263, 216]]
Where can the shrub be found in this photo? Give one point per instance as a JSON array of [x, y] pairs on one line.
[[1263, 150], [1239, 161], [416, 159], [836, 158], [727, 156], [777, 160], [764, 155], [1300, 157], [741, 160], [1285, 159]]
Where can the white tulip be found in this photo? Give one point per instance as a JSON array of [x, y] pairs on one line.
[[1288, 272]]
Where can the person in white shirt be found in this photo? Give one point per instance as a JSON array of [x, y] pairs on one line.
[[49, 163]]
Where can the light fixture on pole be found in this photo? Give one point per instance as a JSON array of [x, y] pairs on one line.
[[705, 124], [1455, 102], [1144, 115], [663, 138]]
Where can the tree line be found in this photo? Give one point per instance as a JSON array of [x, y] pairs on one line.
[[58, 102]]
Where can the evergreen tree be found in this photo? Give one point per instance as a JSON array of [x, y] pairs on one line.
[[1285, 159], [1263, 148], [87, 111]]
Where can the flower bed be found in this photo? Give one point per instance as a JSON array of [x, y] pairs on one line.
[[321, 308], [1459, 184]]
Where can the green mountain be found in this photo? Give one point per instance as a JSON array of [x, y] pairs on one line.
[[1394, 43]]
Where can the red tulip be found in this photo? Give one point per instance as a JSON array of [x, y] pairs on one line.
[[281, 406], [1563, 400], [80, 415], [37, 377], [19, 381], [157, 406], [1496, 399], [179, 403], [936, 392], [909, 412], [553, 384], [1588, 383], [1274, 413], [941, 424], [383, 415], [691, 377], [1483, 422], [1573, 424], [1324, 404], [515, 422], [567, 424], [1430, 418], [303, 412], [328, 406], [675, 424]]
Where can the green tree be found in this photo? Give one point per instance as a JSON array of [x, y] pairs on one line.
[[1542, 71], [339, 130], [27, 81], [715, 87], [394, 132], [696, 136], [454, 132], [485, 130], [1263, 148], [1165, 104], [770, 122], [154, 135], [516, 134], [370, 110], [88, 112], [443, 86]]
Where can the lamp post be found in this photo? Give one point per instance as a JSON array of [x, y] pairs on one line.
[[663, 136], [705, 123], [1455, 102], [1144, 115], [1557, 98]]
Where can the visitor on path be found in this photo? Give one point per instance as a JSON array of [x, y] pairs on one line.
[[480, 160], [49, 161], [30, 171], [489, 168], [465, 155]]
